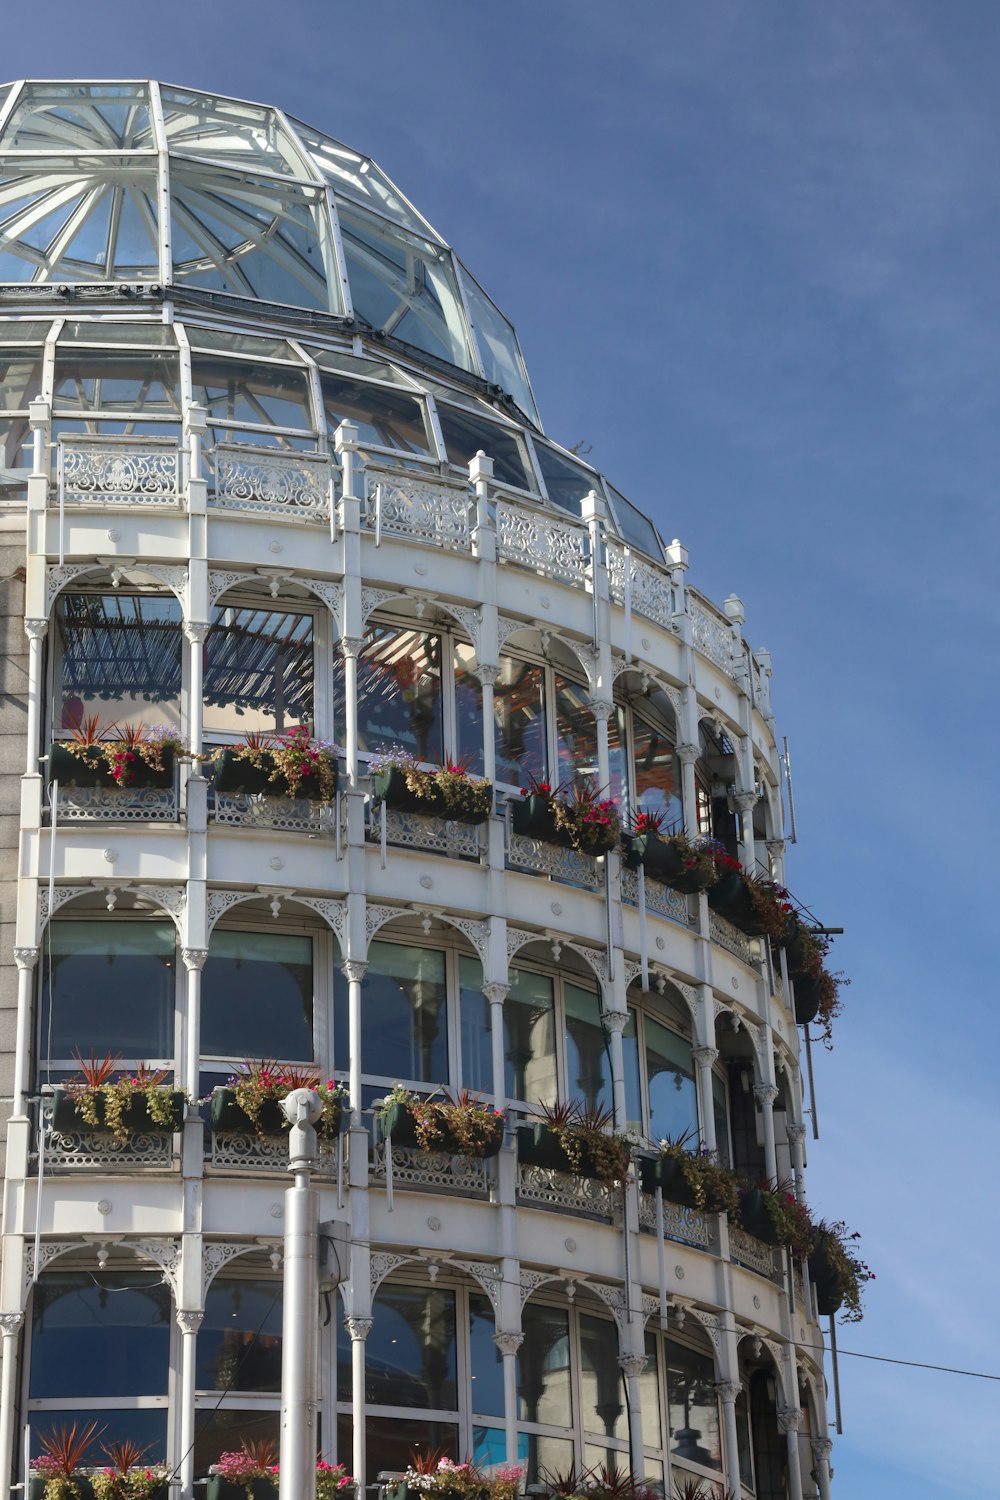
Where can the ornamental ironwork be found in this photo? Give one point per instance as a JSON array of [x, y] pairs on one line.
[[119, 471], [650, 591], [566, 865], [568, 1192], [411, 1167], [118, 804], [419, 509], [276, 481], [409, 830], [752, 1254], [542, 543], [712, 637], [659, 898], [729, 937], [284, 814], [685, 1225]]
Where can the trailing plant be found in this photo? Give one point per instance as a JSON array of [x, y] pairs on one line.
[[448, 789], [788, 1217], [696, 856], [301, 761], [465, 1120], [252, 1460], [770, 903], [592, 1146], [590, 822], [261, 1079], [96, 1090], [715, 1189], [128, 1478], [830, 1004], [834, 1248], [64, 1451]]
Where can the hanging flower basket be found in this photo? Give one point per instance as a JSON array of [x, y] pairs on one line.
[[464, 1126], [531, 818], [447, 792], [825, 1277], [754, 1217], [293, 765], [81, 1486], [136, 1118], [539, 1146], [731, 898], [808, 991], [91, 767], [389, 786], [667, 1174], [659, 857], [578, 1141]]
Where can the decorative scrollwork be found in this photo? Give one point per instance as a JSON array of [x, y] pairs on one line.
[[276, 481], [409, 830], [88, 804], [119, 471], [712, 637], [659, 898], [752, 1254], [85, 1151], [542, 543], [283, 814], [424, 509], [562, 1190], [567, 865], [729, 937], [684, 1225], [467, 1175], [652, 593]]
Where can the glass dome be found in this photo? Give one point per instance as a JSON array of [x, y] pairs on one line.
[[140, 181]]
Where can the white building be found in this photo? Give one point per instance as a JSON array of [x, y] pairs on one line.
[[246, 396]]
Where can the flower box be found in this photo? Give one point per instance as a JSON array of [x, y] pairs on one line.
[[531, 818], [229, 1117], [136, 1119], [754, 1217], [233, 774], [231, 1489], [389, 785], [731, 898], [827, 1280], [36, 1487], [538, 1145], [660, 859], [800, 947], [71, 770], [399, 1125], [808, 990], [666, 1173]]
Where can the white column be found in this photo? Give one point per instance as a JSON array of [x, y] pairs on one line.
[[632, 1366], [687, 755], [36, 631], [196, 631], [188, 1322], [796, 1133], [10, 1327], [487, 676], [350, 646], [496, 994], [704, 1058], [509, 1344], [789, 1422], [354, 970], [729, 1390], [299, 1318], [615, 1022], [26, 959], [194, 962], [359, 1329], [746, 801], [602, 713], [821, 1447], [766, 1093]]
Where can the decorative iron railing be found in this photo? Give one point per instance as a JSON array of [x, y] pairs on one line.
[[275, 481], [112, 470]]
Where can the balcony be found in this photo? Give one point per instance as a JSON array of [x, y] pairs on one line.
[[110, 470], [272, 481]]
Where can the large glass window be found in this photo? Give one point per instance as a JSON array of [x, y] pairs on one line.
[[656, 778], [115, 391], [384, 418], [468, 709], [529, 1034], [466, 433], [673, 1101], [258, 672], [399, 692], [107, 986], [496, 340], [257, 996], [117, 656], [100, 1345], [588, 1055], [695, 1438], [410, 1354], [246, 402], [565, 481], [404, 1028], [239, 1342], [20, 383], [519, 712], [576, 739]]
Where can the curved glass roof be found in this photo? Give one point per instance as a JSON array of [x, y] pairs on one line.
[[140, 181]]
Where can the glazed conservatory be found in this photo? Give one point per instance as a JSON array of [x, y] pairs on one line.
[[289, 541]]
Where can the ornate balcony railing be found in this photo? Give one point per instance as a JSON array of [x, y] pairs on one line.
[[274, 481], [281, 814], [542, 543], [421, 509], [753, 1255], [89, 804], [711, 635], [729, 937], [410, 830], [659, 898], [99, 1151], [114, 470], [648, 590], [567, 1192], [540, 858], [685, 1225], [412, 1168]]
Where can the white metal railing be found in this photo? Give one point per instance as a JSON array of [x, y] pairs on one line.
[[276, 481], [642, 589], [426, 510], [118, 470], [712, 635], [542, 543]]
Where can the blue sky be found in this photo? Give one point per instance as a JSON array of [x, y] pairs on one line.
[[751, 251]]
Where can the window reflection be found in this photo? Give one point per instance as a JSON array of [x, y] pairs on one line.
[[529, 1034], [99, 1333], [257, 996], [673, 1103], [466, 433], [92, 973], [399, 692], [384, 418], [694, 1408], [118, 656], [258, 672], [588, 1055], [404, 1031], [602, 1392], [468, 709], [410, 1357], [543, 1369], [519, 711], [239, 1342], [656, 779], [576, 740]]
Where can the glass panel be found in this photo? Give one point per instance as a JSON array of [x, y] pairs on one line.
[[258, 670], [565, 481], [519, 711], [117, 654], [630, 1060], [228, 131], [576, 739], [649, 1396], [145, 1426], [391, 1443], [112, 985], [116, 381], [465, 434], [99, 1333], [80, 117], [588, 1054], [230, 341], [694, 1408], [476, 1028], [359, 178], [544, 1456], [743, 1443], [223, 1430], [634, 526], [386, 418], [543, 1374], [529, 1035], [101, 331], [468, 709], [233, 392], [20, 383], [257, 996], [673, 1103], [404, 286], [20, 376], [410, 1353], [239, 1342], [721, 1112], [657, 776], [399, 692], [602, 1388], [498, 350], [485, 1358], [489, 1448], [95, 220], [349, 364], [253, 237], [404, 1030], [15, 458]]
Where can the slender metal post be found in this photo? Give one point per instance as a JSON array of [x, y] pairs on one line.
[[297, 1472], [188, 1322], [509, 1344], [10, 1327], [36, 631]]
